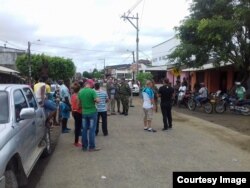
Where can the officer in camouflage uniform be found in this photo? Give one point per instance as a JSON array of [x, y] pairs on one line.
[[125, 92]]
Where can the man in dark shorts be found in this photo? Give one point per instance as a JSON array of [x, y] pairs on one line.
[[166, 93]]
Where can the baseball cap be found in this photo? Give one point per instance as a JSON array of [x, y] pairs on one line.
[[90, 82], [237, 83]]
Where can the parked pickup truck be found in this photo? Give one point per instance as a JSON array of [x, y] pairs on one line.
[[23, 134]]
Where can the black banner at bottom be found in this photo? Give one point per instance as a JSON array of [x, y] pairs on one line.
[[211, 179]]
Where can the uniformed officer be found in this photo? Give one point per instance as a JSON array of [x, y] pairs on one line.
[[166, 92], [125, 92]]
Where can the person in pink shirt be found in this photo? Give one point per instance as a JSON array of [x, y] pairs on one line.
[[76, 113]]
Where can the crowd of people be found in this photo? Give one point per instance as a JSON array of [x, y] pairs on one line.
[[90, 104]]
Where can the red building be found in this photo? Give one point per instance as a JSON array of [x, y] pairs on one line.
[[215, 78]]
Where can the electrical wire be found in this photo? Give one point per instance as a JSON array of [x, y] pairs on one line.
[[69, 48], [142, 13], [11, 44]]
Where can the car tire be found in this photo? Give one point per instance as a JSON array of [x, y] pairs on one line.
[[47, 138], [10, 179]]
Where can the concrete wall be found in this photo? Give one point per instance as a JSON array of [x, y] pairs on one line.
[[8, 57]]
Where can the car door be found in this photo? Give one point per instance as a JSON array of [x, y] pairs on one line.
[[40, 118], [25, 129]]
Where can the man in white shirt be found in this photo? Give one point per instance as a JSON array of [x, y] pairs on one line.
[[182, 91]]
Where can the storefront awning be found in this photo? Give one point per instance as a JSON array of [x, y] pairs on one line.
[[206, 67], [7, 70], [157, 68]]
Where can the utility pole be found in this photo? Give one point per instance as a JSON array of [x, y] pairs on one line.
[[29, 62], [136, 26], [133, 53]]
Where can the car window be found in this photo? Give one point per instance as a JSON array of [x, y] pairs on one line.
[[20, 103], [4, 110], [30, 97]]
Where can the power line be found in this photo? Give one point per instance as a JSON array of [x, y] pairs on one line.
[[142, 12], [133, 7], [69, 48], [11, 44], [145, 55]]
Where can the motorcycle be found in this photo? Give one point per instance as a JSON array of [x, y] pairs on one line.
[[241, 107], [206, 104]]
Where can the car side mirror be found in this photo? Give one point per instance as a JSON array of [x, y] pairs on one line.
[[27, 113]]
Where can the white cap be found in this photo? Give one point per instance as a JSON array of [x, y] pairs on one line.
[[237, 83]]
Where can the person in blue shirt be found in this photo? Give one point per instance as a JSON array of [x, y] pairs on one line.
[[65, 114]]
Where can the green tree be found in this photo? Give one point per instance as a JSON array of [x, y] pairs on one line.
[[86, 74], [143, 77], [217, 30], [97, 74], [42, 65]]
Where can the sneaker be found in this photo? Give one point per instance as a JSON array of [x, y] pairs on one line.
[[94, 149], [151, 130], [68, 129], [164, 129], [132, 106], [78, 144], [145, 128]]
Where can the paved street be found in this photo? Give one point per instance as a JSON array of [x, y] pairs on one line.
[[131, 157]]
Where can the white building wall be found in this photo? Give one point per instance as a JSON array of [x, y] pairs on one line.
[[160, 51], [127, 73]]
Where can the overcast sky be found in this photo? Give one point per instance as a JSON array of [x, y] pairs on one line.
[[89, 31]]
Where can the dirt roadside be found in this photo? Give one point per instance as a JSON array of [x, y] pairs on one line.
[[230, 120]]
